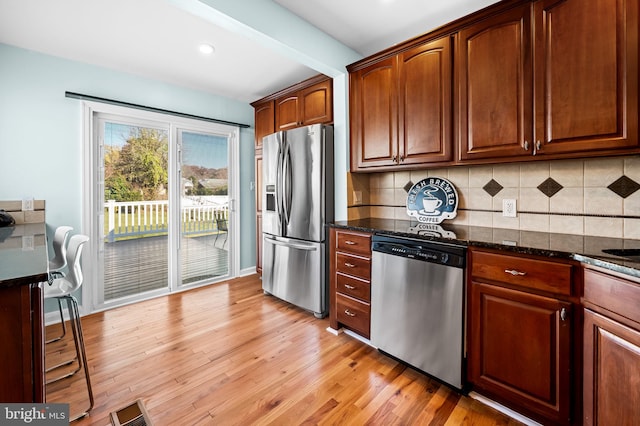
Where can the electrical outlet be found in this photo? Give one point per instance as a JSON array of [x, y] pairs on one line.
[[509, 208], [27, 204]]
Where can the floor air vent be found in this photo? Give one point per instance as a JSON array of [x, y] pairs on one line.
[[132, 415]]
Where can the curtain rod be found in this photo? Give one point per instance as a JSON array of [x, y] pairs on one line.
[[152, 109]]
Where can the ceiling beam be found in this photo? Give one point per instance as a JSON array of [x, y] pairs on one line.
[[276, 28]]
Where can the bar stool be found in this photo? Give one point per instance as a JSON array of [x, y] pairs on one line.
[[57, 264], [61, 289]]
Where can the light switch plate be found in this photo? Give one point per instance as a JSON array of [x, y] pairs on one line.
[[509, 208]]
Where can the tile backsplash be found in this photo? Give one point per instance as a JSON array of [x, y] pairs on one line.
[[598, 197]]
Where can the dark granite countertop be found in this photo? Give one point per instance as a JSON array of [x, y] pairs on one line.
[[616, 254], [23, 254]]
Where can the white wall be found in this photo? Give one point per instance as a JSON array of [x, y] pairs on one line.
[[41, 131]]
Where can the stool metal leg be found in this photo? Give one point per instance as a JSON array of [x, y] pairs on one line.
[[64, 327], [82, 356], [77, 347]]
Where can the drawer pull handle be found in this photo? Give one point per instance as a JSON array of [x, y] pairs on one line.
[[515, 273], [350, 287], [350, 243], [348, 312], [349, 265]]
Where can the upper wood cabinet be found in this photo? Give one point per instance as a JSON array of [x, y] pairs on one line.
[[586, 75], [264, 113], [309, 105], [401, 109], [493, 59], [552, 78]]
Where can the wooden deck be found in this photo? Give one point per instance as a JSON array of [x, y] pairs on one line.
[[140, 265]]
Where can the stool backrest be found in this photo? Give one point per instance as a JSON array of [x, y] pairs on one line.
[[74, 251], [59, 260]]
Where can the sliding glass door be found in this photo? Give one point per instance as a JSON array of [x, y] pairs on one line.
[[136, 208], [164, 192], [204, 206]]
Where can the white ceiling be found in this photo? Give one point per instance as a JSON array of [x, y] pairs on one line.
[[158, 40]]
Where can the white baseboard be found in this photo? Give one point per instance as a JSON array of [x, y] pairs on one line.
[[247, 271]]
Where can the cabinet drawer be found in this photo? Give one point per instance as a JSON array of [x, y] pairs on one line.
[[534, 274], [353, 265], [354, 243], [354, 314], [353, 287], [612, 293]]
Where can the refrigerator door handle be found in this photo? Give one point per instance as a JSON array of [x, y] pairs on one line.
[[286, 185], [291, 245], [278, 189]]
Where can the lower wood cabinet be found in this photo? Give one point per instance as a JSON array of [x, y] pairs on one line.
[[22, 348], [611, 394], [521, 340], [350, 285]]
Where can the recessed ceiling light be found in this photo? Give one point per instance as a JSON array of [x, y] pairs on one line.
[[206, 49]]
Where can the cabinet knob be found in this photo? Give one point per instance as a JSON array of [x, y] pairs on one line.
[[349, 242], [348, 312], [395, 158], [350, 287], [526, 145], [515, 273], [563, 314], [402, 159], [349, 265]]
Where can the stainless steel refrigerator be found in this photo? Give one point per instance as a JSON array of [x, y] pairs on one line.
[[297, 197]]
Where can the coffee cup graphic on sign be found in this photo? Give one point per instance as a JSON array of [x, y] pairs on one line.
[[430, 203]]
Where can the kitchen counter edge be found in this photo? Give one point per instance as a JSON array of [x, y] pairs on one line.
[[584, 249]]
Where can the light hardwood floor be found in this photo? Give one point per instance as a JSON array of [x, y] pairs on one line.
[[228, 354]]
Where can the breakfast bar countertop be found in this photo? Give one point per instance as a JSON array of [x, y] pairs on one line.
[[616, 254], [23, 254]]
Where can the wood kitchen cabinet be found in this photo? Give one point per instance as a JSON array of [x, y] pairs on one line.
[[551, 78], [350, 285], [400, 109], [264, 113], [611, 393], [308, 102], [22, 337], [521, 333], [308, 105]]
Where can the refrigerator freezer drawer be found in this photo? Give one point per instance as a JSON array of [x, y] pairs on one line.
[[294, 271]]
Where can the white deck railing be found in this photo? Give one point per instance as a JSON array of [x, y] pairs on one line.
[[135, 219]]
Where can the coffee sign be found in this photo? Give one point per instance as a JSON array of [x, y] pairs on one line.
[[432, 200]]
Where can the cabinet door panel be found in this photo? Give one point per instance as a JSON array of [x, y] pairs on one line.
[[612, 372], [316, 104], [520, 349], [373, 116], [495, 86], [264, 121], [425, 103], [287, 113], [584, 82]]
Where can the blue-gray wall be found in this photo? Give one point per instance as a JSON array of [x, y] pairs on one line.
[[41, 131]]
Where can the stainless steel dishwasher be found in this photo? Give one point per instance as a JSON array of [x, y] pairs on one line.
[[417, 304]]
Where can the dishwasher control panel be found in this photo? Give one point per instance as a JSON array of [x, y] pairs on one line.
[[428, 251]]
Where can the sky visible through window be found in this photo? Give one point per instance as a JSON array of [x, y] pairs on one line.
[[200, 149]]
